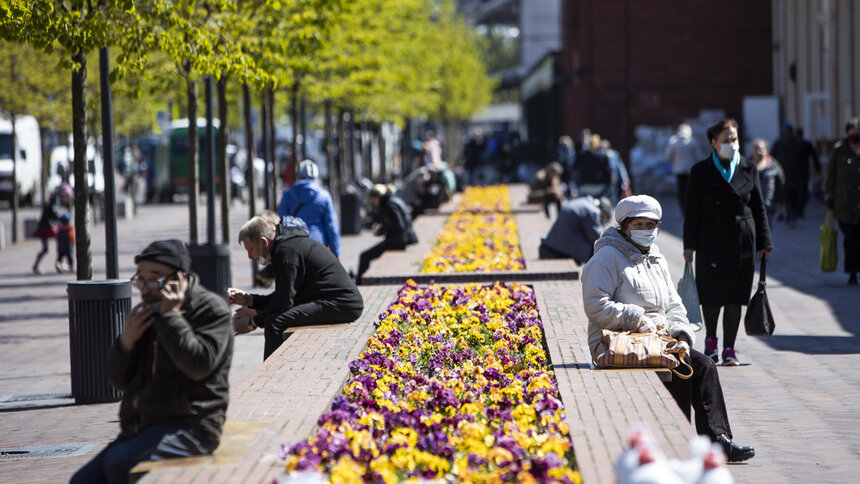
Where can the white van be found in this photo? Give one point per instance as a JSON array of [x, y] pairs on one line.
[[28, 159], [62, 162]]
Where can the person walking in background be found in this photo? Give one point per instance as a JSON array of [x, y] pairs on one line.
[[725, 221], [619, 187], [842, 190], [578, 225], [565, 155], [46, 229], [682, 153], [593, 170], [808, 152], [771, 178], [395, 224], [626, 286], [65, 244], [474, 155], [545, 187], [313, 204], [795, 164]]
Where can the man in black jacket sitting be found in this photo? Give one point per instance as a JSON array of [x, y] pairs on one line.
[[311, 285], [395, 223], [171, 361]]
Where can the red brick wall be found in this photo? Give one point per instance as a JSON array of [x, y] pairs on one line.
[[655, 62]]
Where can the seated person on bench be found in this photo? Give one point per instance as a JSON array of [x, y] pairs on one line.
[[626, 287], [311, 285], [171, 361]]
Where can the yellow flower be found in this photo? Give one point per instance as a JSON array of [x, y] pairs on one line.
[[347, 471], [385, 469], [500, 455], [404, 435]]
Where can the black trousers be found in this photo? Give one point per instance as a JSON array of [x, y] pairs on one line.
[[704, 394], [310, 313], [681, 180], [373, 253], [851, 244]]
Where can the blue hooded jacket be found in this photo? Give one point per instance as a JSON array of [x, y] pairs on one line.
[[312, 203]]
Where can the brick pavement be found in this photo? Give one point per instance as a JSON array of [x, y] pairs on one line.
[[794, 401]]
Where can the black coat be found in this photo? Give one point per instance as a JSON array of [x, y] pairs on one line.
[[305, 271], [726, 224], [396, 221], [178, 370]]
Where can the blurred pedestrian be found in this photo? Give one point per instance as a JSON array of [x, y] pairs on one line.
[[809, 153], [843, 194], [578, 225], [619, 187], [771, 178], [726, 223], [394, 223], [593, 170], [565, 155], [307, 200], [474, 156], [545, 187], [65, 244], [795, 164], [46, 228], [682, 153]]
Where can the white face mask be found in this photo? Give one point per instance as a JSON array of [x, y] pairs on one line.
[[643, 238], [728, 150]]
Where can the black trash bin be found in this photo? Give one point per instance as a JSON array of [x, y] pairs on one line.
[[350, 212], [97, 312], [212, 263]]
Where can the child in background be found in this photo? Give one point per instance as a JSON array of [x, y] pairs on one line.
[[65, 243]]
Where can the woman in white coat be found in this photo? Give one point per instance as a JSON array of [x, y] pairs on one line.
[[626, 286]]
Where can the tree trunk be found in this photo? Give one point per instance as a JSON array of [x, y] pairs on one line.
[[193, 162], [294, 123], [264, 134], [350, 146], [330, 156], [222, 156], [383, 170], [79, 135], [249, 150], [273, 142], [366, 152], [304, 127], [341, 164]]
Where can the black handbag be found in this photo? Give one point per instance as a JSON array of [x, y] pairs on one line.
[[759, 319]]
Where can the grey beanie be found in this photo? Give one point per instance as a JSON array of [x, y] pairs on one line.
[[308, 170]]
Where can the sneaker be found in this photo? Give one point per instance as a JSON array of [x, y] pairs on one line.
[[729, 358], [36, 270], [711, 349], [58, 266]]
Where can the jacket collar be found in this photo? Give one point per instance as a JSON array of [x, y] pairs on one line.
[[611, 237]]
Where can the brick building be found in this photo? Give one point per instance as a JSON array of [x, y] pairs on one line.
[[625, 63]]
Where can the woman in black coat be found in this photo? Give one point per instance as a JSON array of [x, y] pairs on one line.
[[726, 222]]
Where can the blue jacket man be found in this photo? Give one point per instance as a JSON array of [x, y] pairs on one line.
[[312, 203]]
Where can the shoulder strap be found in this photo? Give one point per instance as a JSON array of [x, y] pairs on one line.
[[297, 209]]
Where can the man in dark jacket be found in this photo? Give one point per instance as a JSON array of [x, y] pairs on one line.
[[171, 361], [578, 225], [311, 285], [395, 224]]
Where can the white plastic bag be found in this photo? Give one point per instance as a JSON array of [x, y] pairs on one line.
[[690, 296]]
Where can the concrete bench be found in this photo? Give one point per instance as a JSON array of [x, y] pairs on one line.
[[279, 402], [603, 404]]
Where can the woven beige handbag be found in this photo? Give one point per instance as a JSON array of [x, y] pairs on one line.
[[626, 349]]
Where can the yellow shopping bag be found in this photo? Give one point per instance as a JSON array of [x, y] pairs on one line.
[[828, 256]]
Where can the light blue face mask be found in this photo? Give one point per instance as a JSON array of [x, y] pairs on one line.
[[643, 238]]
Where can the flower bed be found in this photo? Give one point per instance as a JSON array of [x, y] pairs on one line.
[[454, 385], [479, 236]]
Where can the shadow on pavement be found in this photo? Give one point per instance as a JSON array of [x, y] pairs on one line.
[[815, 345], [26, 316]]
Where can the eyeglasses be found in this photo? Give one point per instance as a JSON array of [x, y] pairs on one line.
[[151, 284]]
